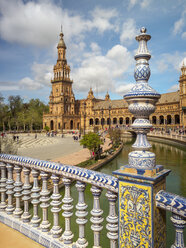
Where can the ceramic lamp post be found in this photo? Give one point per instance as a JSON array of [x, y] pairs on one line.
[[141, 222]]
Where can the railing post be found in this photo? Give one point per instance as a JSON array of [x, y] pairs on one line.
[[67, 236], [35, 198], [10, 187], [45, 224], [96, 218], [141, 223], [18, 188], [179, 223], [26, 195], [56, 229], [81, 213], [3, 187], [112, 219]]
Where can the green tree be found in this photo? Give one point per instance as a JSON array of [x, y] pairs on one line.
[[115, 136], [91, 141], [15, 106]]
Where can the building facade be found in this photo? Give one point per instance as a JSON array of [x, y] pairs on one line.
[[67, 113]]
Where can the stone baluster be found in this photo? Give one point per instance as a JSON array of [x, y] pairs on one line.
[[81, 213], [179, 223], [67, 207], [45, 224], [96, 218], [10, 187], [56, 229], [26, 195], [35, 198], [18, 189], [3, 186], [112, 219]]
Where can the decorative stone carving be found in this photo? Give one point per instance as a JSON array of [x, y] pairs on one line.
[[112, 219], [179, 223], [35, 198], [81, 213], [10, 187], [67, 206], [142, 99], [45, 224], [26, 195], [3, 186], [55, 203], [96, 218], [18, 189]]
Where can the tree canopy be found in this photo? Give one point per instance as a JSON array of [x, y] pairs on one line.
[[91, 141], [17, 115]]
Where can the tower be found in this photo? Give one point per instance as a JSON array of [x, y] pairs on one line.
[[182, 82], [63, 112]]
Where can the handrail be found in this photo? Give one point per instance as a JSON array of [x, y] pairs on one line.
[[95, 178], [171, 202]]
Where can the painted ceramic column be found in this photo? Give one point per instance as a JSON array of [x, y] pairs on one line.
[[141, 223]]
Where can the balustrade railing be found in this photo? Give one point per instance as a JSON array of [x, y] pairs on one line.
[[18, 196], [177, 205]]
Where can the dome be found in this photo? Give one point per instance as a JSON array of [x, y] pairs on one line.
[[61, 42]]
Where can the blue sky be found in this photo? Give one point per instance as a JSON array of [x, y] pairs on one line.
[[100, 39]]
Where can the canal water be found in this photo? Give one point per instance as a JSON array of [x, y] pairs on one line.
[[171, 156]]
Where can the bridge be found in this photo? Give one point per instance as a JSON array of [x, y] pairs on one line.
[[139, 188]]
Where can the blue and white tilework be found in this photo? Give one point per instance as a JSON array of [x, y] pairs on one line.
[[141, 100], [171, 202], [96, 178]]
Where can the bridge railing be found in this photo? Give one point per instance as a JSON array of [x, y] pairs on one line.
[[177, 205], [20, 183]]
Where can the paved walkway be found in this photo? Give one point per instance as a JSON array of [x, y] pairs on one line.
[[11, 238], [80, 156]]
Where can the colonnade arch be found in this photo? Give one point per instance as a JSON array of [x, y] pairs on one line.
[[114, 120]]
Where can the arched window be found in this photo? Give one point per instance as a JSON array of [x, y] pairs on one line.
[[102, 121], [169, 119], [161, 120], [71, 124], [97, 121], [52, 125], [133, 119], [91, 122], [177, 119], [154, 120], [114, 120], [127, 120], [108, 121], [121, 120]]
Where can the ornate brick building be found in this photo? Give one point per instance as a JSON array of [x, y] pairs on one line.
[[66, 113]]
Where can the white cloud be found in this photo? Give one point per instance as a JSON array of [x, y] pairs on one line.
[[101, 72], [42, 74], [170, 61], [128, 31], [124, 88], [101, 19], [179, 25], [6, 86], [38, 23], [29, 84], [173, 88], [142, 3]]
